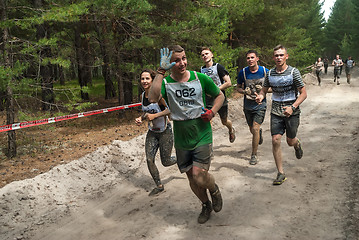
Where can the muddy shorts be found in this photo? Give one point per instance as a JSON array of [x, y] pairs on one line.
[[280, 125], [336, 72], [223, 112], [200, 157], [254, 116], [348, 70]]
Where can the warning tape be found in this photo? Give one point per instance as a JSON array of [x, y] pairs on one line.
[[16, 126]]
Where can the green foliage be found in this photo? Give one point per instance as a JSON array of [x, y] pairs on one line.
[[346, 46], [228, 27], [342, 29]]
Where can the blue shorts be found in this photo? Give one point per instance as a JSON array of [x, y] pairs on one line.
[[200, 157]]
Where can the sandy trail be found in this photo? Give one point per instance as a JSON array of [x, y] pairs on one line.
[[104, 194]]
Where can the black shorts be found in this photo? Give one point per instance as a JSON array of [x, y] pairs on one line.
[[254, 116], [200, 157], [348, 70], [280, 125], [336, 72], [223, 112]]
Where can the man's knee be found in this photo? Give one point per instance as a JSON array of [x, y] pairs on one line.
[[291, 141], [276, 140], [200, 177]]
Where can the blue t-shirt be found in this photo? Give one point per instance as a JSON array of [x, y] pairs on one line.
[[250, 80]]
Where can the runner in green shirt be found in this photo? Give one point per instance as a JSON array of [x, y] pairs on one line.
[[184, 92]]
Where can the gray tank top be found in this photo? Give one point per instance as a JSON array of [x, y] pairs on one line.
[[212, 72], [158, 124], [185, 99]]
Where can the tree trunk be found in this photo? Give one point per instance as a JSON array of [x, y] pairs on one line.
[[109, 87], [61, 75], [10, 119], [2, 100], [47, 90], [83, 58], [10, 109]]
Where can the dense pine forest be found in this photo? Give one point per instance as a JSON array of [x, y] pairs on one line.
[[58, 56]]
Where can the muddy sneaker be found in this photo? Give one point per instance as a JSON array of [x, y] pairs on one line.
[[254, 160], [232, 135], [217, 201], [206, 212], [298, 150], [156, 191], [260, 137], [280, 179]]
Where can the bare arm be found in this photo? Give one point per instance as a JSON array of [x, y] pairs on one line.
[[302, 96], [218, 102], [165, 112], [261, 95], [240, 89], [227, 83], [155, 91]]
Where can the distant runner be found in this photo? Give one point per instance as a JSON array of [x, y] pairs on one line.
[[349, 64], [319, 66], [337, 63]]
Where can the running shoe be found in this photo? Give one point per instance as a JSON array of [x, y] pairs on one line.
[[217, 201], [156, 191], [280, 179], [254, 160], [299, 150], [232, 135], [260, 137], [206, 212]]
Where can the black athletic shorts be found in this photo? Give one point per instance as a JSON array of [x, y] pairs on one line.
[[280, 125]]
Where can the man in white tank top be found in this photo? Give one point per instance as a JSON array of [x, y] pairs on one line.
[[220, 77], [337, 63]]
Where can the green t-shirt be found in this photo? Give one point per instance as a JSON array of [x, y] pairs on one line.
[[190, 134]]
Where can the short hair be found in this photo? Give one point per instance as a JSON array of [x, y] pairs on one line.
[[176, 48], [205, 48], [279, 46], [150, 71], [252, 51]]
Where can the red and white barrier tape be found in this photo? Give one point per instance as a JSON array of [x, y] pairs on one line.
[[16, 126]]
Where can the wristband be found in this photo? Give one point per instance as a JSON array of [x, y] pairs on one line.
[[293, 108], [161, 71]]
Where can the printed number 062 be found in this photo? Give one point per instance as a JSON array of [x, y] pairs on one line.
[[185, 92]]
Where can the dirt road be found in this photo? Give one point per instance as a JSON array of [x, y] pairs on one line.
[[104, 195]]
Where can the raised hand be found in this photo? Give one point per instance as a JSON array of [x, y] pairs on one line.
[[165, 59]]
